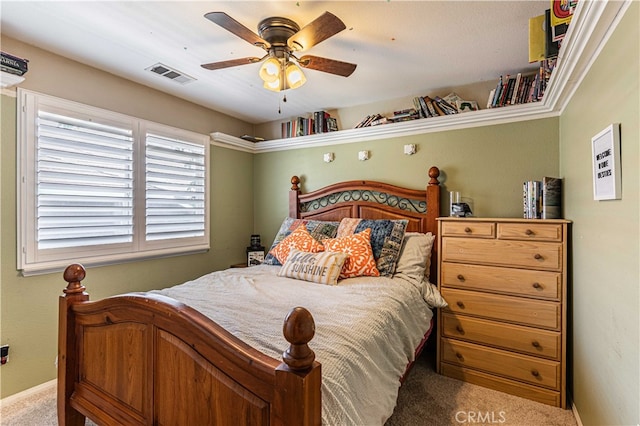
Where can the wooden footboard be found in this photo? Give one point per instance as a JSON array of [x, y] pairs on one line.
[[147, 359]]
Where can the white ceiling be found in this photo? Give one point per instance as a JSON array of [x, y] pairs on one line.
[[402, 48]]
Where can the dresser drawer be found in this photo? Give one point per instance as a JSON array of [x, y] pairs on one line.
[[527, 254], [525, 282], [528, 369], [530, 231], [469, 229], [531, 341], [537, 313], [536, 393]]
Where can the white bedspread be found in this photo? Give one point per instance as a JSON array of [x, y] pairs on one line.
[[366, 330]]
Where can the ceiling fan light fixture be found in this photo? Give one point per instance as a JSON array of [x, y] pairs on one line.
[[270, 70], [295, 76], [274, 86]]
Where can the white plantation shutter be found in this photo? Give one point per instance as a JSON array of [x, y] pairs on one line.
[[175, 188], [84, 181], [97, 187]]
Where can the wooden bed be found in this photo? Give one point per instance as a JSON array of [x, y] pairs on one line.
[[147, 359]]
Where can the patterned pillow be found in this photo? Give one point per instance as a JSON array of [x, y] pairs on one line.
[[361, 261], [322, 268], [386, 239], [299, 239], [317, 228]]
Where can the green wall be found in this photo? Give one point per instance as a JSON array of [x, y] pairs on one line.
[[28, 306], [605, 249], [486, 164]]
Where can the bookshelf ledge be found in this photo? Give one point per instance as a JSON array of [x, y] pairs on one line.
[[593, 22]]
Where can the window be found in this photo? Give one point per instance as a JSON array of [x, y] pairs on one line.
[[97, 187]]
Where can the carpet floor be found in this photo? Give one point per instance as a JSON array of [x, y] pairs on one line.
[[425, 399]]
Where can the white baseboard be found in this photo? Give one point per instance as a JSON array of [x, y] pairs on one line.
[[574, 410], [25, 394]]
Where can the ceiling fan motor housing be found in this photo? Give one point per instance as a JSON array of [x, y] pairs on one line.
[[277, 30]]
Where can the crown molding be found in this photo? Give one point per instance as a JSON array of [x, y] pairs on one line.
[[592, 25]]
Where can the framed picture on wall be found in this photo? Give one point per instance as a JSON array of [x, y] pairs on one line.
[[605, 155]]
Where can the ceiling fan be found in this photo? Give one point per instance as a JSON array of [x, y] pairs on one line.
[[281, 38]]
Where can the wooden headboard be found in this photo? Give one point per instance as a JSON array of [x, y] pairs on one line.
[[371, 200]]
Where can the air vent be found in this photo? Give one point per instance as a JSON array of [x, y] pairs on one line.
[[170, 73]]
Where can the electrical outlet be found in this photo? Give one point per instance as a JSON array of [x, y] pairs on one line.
[[4, 354]]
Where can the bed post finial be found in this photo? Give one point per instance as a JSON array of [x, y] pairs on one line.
[[295, 181], [73, 275], [299, 329], [434, 172]]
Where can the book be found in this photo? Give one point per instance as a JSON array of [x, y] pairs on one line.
[[551, 198], [514, 93], [532, 199], [551, 47], [496, 95], [432, 110], [537, 38]]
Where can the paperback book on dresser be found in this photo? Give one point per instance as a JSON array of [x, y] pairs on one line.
[[542, 199]]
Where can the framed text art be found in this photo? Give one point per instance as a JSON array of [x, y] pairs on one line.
[[605, 153]]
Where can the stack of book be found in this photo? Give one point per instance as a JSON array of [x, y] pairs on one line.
[[13, 64], [522, 89], [436, 106], [542, 199], [320, 122]]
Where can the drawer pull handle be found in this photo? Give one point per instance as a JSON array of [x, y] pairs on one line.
[[460, 304], [467, 230], [538, 256], [536, 285], [535, 344], [535, 373], [460, 329], [529, 232], [459, 356], [460, 277]]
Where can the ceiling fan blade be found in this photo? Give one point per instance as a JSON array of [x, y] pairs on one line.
[[230, 63], [323, 27], [235, 27], [331, 66]]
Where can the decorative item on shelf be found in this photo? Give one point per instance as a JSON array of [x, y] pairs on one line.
[[12, 64], [363, 155], [255, 252], [329, 157], [410, 149]]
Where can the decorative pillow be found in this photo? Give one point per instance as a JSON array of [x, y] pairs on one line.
[[299, 239], [432, 296], [317, 228], [414, 261], [322, 268], [386, 239], [361, 261]]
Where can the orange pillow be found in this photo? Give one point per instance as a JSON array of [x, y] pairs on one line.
[[299, 239], [361, 261]]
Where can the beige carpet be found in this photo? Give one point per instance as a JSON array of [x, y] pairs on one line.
[[426, 398]]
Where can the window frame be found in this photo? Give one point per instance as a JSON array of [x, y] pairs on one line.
[[30, 259]]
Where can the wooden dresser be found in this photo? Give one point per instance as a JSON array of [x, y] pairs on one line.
[[506, 284]]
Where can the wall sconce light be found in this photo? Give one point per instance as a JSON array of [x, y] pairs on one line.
[[410, 149], [363, 155], [329, 157]]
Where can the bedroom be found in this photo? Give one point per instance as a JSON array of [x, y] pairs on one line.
[[605, 331]]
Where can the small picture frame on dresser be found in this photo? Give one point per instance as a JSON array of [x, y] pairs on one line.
[[605, 150], [255, 257]]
